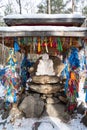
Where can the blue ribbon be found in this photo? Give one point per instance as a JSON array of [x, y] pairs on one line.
[[16, 46], [73, 59], [86, 96]]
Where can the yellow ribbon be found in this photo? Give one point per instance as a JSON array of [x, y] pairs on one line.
[[70, 41], [50, 40], [19, 40], [39, 46]]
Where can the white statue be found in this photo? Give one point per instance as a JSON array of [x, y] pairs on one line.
[[45, 66]]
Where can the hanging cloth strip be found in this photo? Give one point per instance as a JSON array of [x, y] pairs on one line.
[[50, 40], [85, 88], [86, 96], [46, 44], [59, 44], [34, 43], [73, 59], [16, 46], [70, 41], [38, 46]]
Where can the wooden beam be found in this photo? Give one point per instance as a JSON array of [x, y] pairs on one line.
[[45, 33], [45, 21]]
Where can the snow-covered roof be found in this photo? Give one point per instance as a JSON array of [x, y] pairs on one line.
[[51, 16], [43, 31], [45, 19], [41, 28]]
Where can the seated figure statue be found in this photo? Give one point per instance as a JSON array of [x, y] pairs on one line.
[[45, 66]]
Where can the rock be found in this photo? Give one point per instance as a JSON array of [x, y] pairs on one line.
[[48, 125], [84, 120], [2, 104], [59, 69], [45, 79], [15, 113], [5, 114], [62, 90], [57, 94], [3, 123], [63, 99], [32, 106], [36, 95], [52, 100], [55, 110], [36, 125], [81, 108], [1, 112], [45, 89], [49, 95], [66, 117], [20, 98], [56, 60], [43, 97]]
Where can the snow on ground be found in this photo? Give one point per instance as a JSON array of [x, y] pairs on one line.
[[1, 91], [81, 90], [47, 123]]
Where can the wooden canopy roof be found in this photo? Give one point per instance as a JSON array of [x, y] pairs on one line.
[[45, 20]]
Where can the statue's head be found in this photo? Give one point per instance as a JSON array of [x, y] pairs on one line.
[[45, 56]]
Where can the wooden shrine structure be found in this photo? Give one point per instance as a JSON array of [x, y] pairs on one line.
[[42, 25]]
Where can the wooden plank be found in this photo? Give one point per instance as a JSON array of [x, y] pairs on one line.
[[44, 33], [45, 21]]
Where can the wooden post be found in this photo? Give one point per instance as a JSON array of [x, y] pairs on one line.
[[20, 7], [3, 50], [73, 6], [48, 7]]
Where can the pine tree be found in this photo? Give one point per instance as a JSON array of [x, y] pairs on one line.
[[85, 11], [57, 6], [42, 7]]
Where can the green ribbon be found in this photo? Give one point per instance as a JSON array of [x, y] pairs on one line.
[[59, 44], [22, 41]]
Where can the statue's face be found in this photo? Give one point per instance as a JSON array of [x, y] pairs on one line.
[[45, 57]]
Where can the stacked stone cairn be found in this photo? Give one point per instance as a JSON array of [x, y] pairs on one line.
[[46, 90]]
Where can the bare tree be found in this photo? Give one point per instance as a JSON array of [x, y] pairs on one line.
[[26, 5], [29, 6], [1, 4], [20, 6], [73, 6], [8, 8]]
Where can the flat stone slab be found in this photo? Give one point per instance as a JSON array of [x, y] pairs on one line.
[[45, 79], [52, 100], [45, 88]]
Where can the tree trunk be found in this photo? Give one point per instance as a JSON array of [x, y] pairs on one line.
[[73, 6], [20, 7], [48, 7]]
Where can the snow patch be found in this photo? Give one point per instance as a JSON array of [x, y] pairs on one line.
[[42, 16], [40, 28]]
